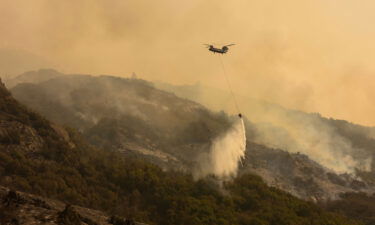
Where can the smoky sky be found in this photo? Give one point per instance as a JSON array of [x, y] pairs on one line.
[[309, 55]]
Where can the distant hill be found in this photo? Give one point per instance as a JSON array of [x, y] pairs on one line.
[[16, 61], [32, 77]]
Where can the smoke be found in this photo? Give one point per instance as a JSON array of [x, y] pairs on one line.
[[310, 135], [290, 130], [315, 56], [290, 52], [225, 154]]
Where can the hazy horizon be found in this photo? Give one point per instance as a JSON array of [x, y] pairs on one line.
[[314, 56]]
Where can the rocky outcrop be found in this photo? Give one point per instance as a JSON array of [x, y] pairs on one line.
[[14, 134], [18, 208], [24, 130]]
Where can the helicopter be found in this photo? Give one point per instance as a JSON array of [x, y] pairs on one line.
[[222, 50]]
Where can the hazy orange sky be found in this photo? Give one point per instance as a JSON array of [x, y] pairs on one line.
[[313, 55]]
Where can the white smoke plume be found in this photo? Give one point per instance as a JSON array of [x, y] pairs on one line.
[[225, 154], [290, 130], [310, 135]]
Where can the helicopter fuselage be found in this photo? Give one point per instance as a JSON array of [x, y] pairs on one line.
[[222, 50]]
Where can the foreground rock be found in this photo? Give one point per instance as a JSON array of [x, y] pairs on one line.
[[22, 208]]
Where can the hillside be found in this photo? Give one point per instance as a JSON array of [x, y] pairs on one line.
[[133, 117], [337, 144], [61, 165], [127, 115]]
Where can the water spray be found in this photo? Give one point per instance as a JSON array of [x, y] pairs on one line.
[[227, 150]]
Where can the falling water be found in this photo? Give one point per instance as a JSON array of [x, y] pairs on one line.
[[226, 153]]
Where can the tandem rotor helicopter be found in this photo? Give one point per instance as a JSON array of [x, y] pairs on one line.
[[221, 50], [224, 50]]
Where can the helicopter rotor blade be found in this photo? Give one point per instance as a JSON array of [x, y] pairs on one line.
[[229, 45]]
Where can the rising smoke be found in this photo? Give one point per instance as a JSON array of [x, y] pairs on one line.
[[226, 153], [313, 136], [289, 130], [290, 52]]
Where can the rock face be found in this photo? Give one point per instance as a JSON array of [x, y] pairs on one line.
[[21, 208], [22, 129], [16, 135]]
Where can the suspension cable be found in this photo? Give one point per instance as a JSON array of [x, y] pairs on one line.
[[229, 84]]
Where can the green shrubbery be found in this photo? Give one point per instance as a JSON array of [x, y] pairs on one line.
[[355, 205], [108, 181]]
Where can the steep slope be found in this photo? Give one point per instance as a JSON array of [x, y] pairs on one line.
[[61, 165], [30, 147], [128, 115], [22, 129], [133, 117]]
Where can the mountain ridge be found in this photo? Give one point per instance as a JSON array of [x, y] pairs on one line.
[[86, 176], [131, 116]]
